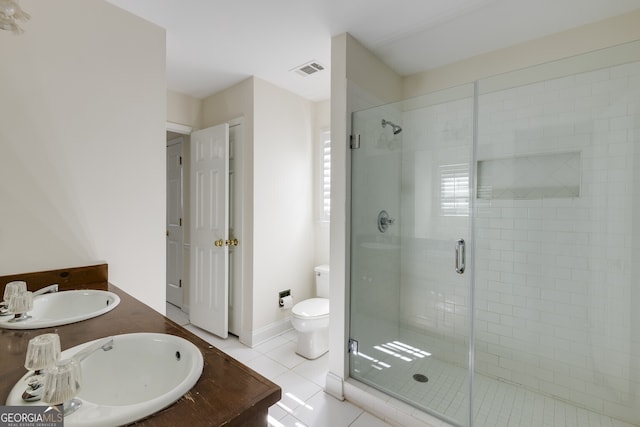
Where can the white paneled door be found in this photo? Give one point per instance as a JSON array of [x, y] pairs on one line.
[[209, 291], [175, 235]]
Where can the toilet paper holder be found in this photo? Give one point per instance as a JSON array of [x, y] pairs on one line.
[[281, 296]]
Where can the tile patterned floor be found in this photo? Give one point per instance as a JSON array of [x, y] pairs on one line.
[[498, 404], [303, 403]]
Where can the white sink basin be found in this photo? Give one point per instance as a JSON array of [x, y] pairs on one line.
[[62, 308], [142, 374]]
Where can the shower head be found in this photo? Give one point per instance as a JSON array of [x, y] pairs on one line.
[[396, 129]]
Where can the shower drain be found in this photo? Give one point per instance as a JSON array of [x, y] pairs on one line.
[[420, 378]]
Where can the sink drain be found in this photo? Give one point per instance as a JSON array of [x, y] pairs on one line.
[[420, 378]]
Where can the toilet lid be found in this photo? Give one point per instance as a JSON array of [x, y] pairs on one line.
[[314, 307]]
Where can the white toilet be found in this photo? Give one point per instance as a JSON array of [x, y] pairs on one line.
[[311, 318]]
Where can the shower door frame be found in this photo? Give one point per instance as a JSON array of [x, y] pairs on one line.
[[469, 92]]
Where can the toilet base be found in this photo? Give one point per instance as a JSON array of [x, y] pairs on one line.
[[312, 345]]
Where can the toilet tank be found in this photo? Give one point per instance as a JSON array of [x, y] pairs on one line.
[[322, 281]]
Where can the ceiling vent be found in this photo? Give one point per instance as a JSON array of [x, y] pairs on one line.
[[308, 68]]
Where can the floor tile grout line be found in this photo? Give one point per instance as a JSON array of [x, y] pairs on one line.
[[287, 339]]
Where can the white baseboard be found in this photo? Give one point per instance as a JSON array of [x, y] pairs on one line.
[[270, 331], [334, 386]]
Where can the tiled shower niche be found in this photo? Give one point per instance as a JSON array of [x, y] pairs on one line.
[[530, 177]]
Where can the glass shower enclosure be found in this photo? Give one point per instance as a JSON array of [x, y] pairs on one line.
[[494, 229]]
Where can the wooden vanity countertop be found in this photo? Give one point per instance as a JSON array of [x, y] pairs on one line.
[[228, 393]]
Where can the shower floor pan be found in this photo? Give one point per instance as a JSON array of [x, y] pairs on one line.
[[496, 404]]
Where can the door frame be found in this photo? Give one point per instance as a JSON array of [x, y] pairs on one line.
[[184, 131], [175, 226], [239, 290], [237, 299]]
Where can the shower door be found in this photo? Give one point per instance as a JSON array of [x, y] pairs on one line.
[[412, 180]]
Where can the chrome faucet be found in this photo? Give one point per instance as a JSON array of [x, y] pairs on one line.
[[47, 289], [4, 305], [105, 344], [4, 308], [34, 388]]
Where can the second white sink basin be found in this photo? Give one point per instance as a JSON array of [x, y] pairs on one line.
[[62, 308], [140, 375]]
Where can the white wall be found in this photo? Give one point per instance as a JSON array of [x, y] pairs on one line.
[[82, 156], [283, 234]]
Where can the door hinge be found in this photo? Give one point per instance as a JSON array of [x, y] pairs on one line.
[[355, 141], [180, 283], [353, 346], [181, 160], [180, 222]]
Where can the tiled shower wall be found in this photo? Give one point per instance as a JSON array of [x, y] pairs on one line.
[[435, 299], [556, 294]]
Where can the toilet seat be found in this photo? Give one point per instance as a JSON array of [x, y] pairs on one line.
[[311, 308]]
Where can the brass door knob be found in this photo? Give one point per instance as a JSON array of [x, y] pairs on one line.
[[232, 242], [219, 243]]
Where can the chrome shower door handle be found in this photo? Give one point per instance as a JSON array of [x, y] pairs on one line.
[[460, 256]]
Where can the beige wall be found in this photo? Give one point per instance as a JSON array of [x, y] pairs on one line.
[[82, 159], [367, 72], [184, 109], [599, 35], [283, 200], [278, 247], [236, 101]]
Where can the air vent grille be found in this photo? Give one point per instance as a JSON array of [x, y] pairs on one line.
[[308, 69]]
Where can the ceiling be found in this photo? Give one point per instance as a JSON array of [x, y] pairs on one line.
[[213, 44]]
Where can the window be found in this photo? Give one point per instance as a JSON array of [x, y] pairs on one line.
[[454, 190], [325, 176]]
